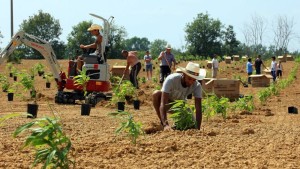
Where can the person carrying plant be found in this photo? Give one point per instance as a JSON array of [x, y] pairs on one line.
[[258, 62], [135, 64], [178, 86]]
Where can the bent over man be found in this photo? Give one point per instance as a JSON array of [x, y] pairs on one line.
[[178, 86]]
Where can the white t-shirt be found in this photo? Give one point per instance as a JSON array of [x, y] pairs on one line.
[[273, 65], [173, 86], [215, 63]]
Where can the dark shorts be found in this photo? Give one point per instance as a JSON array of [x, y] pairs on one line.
[[148, 68]]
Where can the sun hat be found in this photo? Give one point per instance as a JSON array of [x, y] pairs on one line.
[[168, 46], [193, 70], [94, 27]]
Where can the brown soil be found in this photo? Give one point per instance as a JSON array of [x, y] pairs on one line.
[[268, 137]]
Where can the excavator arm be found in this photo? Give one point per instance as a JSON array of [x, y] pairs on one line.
[[40, 45]]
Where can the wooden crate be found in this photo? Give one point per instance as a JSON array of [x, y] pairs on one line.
[[267, 71], [118, 71], [260, 80]]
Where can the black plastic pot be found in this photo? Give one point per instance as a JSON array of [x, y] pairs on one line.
[[32, 109], [15, 78], [85, 109], [136, 104], [121, 106], [144, 70], [189, 96], [10, 75], [40, 73], [48, 84], [10, 96], [293, 110]]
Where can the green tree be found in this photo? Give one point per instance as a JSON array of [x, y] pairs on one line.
[[231, 44], [203, 35], [138, 44], [117, 41], [41, 25], [157, 46], [79, 35]]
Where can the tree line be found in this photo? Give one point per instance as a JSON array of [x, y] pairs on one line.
[[205, 36]]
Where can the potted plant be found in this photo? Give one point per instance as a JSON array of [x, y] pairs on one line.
[[28, 83], [32, 72], [8, 67], [11, 90], [40, 68], [136, 100], [122, 91], [82, 80], [14, 72], [48, 77]]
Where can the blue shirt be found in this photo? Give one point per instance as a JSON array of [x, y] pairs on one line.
[[249, 67]]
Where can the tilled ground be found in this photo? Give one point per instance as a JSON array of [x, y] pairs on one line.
[[265, 138]]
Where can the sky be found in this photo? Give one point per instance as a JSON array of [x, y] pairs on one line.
[[154, 19]]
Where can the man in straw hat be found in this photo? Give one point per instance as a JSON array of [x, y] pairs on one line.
[[167, 58], [94, 29], [178, 86]]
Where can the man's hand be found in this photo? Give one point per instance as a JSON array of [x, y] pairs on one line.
[[82, 46], [167, 128]]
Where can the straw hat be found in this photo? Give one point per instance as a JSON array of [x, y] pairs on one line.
[[94, 27], [168, 46], [193, 70]]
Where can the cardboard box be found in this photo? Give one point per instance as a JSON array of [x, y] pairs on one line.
[[228, 60], [282, 58], [222, 87], [209, 64], [236, 57], [268, 71], [289, 58], [118, 71], [260, 80]]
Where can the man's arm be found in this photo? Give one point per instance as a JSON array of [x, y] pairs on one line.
[[163, 109], [198, 106], [161, 55]]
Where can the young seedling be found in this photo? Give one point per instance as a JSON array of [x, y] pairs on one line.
[[50, 143], [82, 80], [129, 126], [183, 115]]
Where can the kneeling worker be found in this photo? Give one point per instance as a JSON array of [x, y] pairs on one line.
[[178, 86]]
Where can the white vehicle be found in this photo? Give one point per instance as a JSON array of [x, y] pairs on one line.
[[99, 83]]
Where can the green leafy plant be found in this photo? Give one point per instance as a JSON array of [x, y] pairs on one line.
[[120, 92], [245, 104], [4, 82], [143, 79], [13, 87], [40, 68], [28, 83], [82, 80], [49, 77], [9, 66], [32, 71], [129, 126], [49, 141], [183, 115], [14, 71]]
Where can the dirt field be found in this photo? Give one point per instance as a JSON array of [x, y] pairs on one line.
[[268, 138]]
